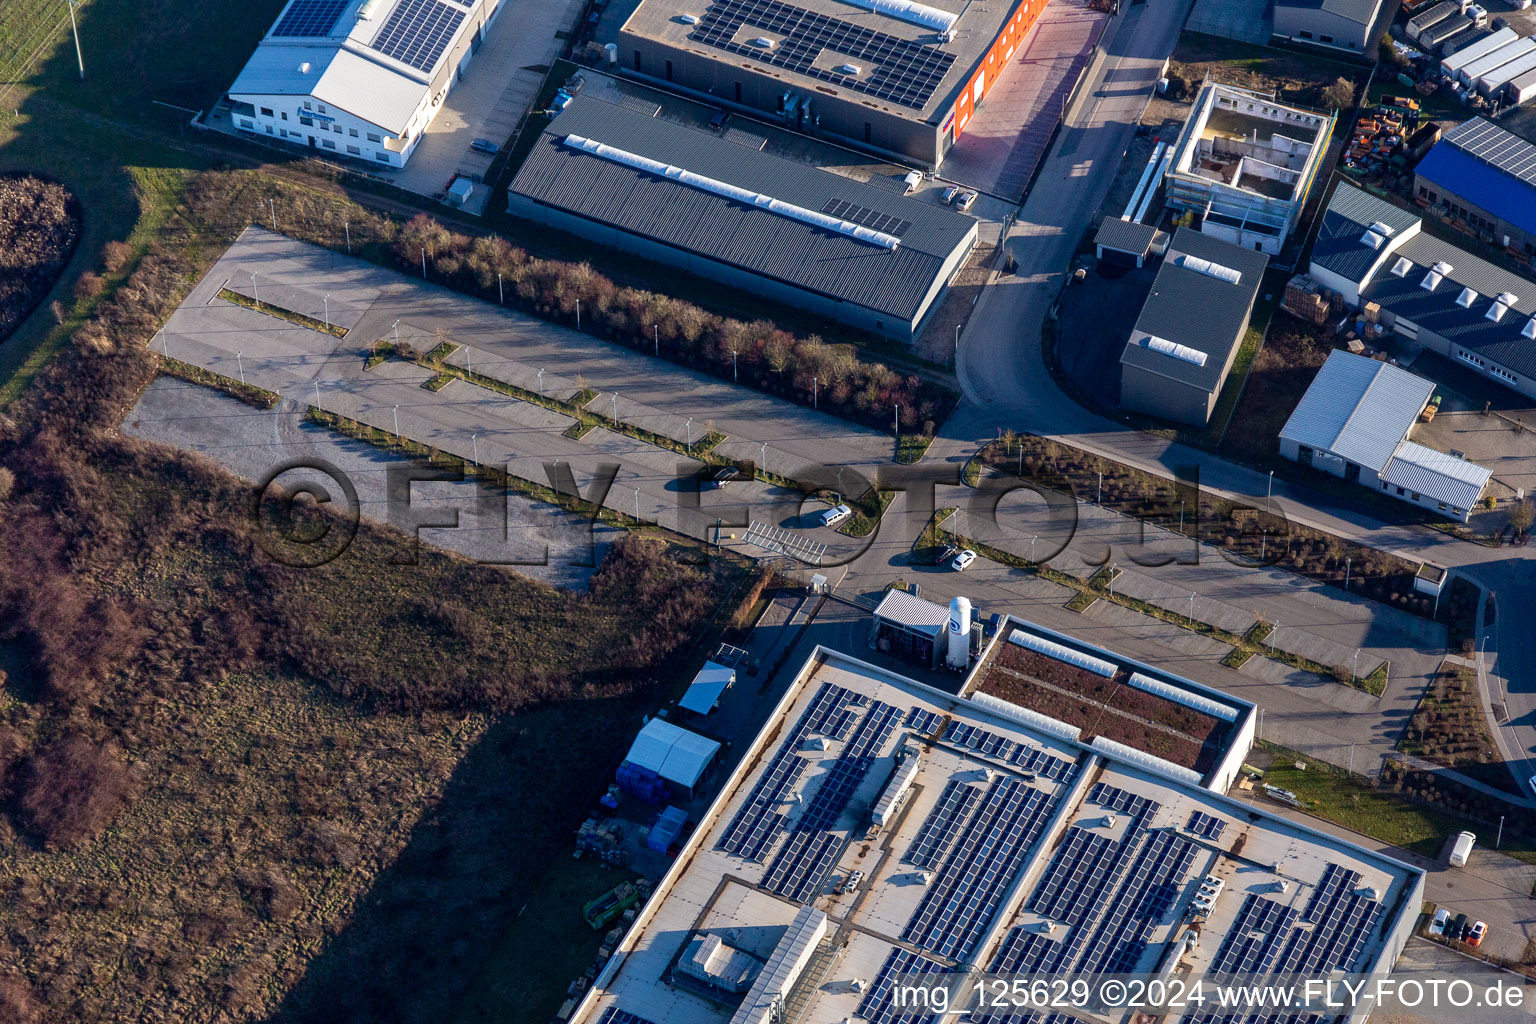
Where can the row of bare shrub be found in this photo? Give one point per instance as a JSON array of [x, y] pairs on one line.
[[39, 228]]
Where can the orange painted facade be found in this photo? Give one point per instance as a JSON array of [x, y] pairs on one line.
[[991, 68]]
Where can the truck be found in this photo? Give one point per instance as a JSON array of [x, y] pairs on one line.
[[1462, 850]]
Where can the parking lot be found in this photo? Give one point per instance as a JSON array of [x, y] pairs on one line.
[[309, 367]]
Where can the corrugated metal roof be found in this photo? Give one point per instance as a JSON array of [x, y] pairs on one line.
[[1125, 235], [706, 688], [1436, 475], [901, 607], [1474, 50], [1498, 341], [1196, 310], [1489, 167], [754, 239], [1362, 12], [1350, 212], [1359, 409]]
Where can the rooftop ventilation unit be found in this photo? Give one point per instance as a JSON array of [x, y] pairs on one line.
[[849, 69], [1402, 266], [1372, 239], [688, 19], [1177, 351], [1210, 269], [761, 42], [1466, 298], [912, 13], [734, 192]]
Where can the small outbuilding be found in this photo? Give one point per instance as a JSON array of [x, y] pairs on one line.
[[707, 688], [673, 754], [1124, 242], [910, 627]]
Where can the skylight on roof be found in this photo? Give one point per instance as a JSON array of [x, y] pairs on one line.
[[1177, 351], [1529, 330], [1466, 298], [1442, 268], [1384, 230], [1431, 281], [1372, 239], [1402, 266], [1501, 305], [1210, 269]]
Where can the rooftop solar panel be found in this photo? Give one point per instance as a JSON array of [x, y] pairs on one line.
[[905, 73], [1496, 146], [308, 18], [418, 31]]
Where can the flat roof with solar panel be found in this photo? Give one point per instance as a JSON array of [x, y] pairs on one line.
[[358, 63], [831, 65], [1010, 847]]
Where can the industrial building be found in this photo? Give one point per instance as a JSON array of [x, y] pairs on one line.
[[1483, 177], [878, 827], [1341, 24], [1427, 290], [895, 76], [1244, 163], [1190, 328], [358, 78], [1355, 421], [784, 230]]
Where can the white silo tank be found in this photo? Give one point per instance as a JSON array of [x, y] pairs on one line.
[[612, 49], [959, 633]]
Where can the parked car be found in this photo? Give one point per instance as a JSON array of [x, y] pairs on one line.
[[833, 516], [719, 477], [966, 201], [1476, 932], [963, 560], [718, 120], [948, 195], [1437, 925], [1457, 932], [485, 146]]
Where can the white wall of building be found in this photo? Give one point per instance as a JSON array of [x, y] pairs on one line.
[[335, 132]]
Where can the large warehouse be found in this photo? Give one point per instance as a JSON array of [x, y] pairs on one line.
[[823, 242], [1355, 422], [358, 78], [880, 828], [1341, 24], [1483, 178], [1244, 163], [1428, 290], [1194, 320], [895, 76]]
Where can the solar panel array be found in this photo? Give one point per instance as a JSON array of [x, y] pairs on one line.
[[309, 18], [1152, 887], [849, 770], [954, 912], [923, 720], [1117, 799], [778, 778], [872, 219], [1342, 921], [418, 31], [879, 1004], [1493, 145], [905, 73], [614, 1015], [1253, 943], [1081, 865], [942, 825], [989, 744], [1206, 826], [803, 864]]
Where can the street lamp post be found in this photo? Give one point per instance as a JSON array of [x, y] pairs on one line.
[[765, 457], [578, 314], [423, 263], [1181, 517], [79, 58], [1099, 500], [615, 403], [273, 203], [396, 328], [689, 427], [1346, 572], [241, 364], [656, 338], [815, 392], [501, 295], [734, 378], [541, 383], [327, 301], [1269, 492], [255, 292], [165, 345], [1191, 606], [1032, 547], [317, 393], [474, 444], [957, 344], [397, 421], [346, 226], [637, 504]]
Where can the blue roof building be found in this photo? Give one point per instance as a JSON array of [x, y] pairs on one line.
[[1485, 177]]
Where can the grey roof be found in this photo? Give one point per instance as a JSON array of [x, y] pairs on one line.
[[1125, 235], [1195, 310], [1498, 341], [1437, 475], [913, 612], [1362, 12], [730, 231], [1359, 409], [1350, 212]]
